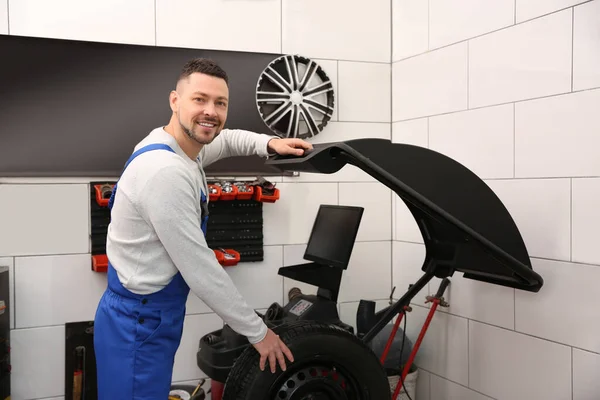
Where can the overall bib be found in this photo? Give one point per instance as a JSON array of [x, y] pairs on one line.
[[136, 336]]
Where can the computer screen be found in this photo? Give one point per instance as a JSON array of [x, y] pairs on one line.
[[334, 231]]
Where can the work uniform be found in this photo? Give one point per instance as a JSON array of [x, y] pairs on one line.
[[157, 253]]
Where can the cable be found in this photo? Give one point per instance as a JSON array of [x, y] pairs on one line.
[[401, 350]]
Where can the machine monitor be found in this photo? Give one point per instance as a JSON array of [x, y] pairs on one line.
[[333, 234]]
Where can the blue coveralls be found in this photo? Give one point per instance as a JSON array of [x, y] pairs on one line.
[[136, 336]]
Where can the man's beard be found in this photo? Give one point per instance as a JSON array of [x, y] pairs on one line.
[[195, 137]]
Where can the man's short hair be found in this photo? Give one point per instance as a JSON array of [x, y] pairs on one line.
[[203, 66]]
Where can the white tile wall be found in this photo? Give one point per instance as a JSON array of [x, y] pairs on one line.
[[586, 219], [405, 225], [258, 282], [8, 262], [451, 22], [541, 208], [318, 29], [376, 223], [52, 290], [564, 145], [59, 226], [505, 364], [516, 124], [130, 22], [364, 92], [369, 272], [529, 9], [586, 368], [562, 280], [522, 62], [446, 332], [38, 362], [220, 24], [4, 17], [432, 83], [423, 386], [586, 52], [492, 304], [442, 389], [410, 28], [195, 326], [414, 132], [482, 140], [407, 260], [290, 219], [341, 131]]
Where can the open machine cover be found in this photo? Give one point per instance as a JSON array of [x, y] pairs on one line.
[[465, 226]]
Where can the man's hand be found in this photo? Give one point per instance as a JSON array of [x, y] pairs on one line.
[[288, 146], [273, 348]]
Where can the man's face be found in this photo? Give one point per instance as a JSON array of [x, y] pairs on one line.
[[201, 105]]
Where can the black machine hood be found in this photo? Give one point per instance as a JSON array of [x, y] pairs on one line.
[[465, 227]]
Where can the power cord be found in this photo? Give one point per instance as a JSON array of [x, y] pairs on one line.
[[401, 350]]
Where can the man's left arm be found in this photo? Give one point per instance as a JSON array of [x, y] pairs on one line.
[[239, 142]]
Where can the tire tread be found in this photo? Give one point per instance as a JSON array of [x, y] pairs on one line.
[[246, 366]]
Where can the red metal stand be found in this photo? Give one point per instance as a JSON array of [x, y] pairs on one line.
[[437, 300]]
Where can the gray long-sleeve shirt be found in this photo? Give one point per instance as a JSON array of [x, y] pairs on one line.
[[155, 228]]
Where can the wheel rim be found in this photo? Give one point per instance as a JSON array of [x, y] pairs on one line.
[[295, 97], [312, 381]]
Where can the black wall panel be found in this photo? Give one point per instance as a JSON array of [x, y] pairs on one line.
[[75, 108]]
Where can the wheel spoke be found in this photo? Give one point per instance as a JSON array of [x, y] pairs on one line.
[[277, 79], [293, 124], [310, 72], [292, 70], [272, 97], [295, 75], [321, 88], [310, 121], [323, 109], [282, 109]]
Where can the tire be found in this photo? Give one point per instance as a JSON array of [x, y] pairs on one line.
[[328, 361]]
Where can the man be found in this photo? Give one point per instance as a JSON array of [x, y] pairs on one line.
[[157, 248]]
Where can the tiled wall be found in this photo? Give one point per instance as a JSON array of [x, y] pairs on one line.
[[511, 89], [48, 249]]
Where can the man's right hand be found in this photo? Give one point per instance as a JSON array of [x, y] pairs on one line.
[[272, 348]]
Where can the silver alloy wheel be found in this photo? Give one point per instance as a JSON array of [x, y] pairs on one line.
[[295, 97]]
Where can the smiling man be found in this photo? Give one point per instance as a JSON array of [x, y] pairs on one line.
[[156, 242]]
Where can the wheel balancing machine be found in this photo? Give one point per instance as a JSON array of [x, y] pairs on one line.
[[465, 228]]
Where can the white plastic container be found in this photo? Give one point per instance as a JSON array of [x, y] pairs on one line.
[[410, 383]]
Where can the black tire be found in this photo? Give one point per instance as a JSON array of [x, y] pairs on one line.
[[328, 361]]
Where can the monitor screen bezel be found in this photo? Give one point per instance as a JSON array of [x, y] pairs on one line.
[[322, 209]]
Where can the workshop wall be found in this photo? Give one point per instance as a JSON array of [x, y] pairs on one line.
[[45, 222], [512, 90]]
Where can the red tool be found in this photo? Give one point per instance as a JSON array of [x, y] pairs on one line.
[[214, 192], [103, 193], [245, 191], [258, 190], [227, 257], [100, 263]]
